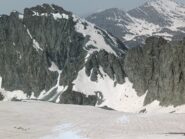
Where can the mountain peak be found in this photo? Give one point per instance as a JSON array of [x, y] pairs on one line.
[[45, 9], [162, 1], [63, 49], [163, 4], [166, 8]]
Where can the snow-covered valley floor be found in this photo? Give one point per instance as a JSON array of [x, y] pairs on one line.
[[43, 120]]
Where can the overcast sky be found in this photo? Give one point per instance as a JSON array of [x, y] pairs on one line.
[[80, 7]]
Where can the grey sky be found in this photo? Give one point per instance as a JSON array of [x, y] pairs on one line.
[[80, 7]]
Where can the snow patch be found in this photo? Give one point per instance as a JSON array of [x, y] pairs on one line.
[[54, 67], [33, 96], [165, 35], [35, 13], [96, 36], [60, 16], [129, 37], [29, 34], [119, 97], [21, 16], [9, 95], [155, 107], [44, 14], [56, 16], [139, 28], [35, 43]]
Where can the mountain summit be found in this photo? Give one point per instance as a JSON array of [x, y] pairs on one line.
[[154, 18], [160, 12], [50, 54]]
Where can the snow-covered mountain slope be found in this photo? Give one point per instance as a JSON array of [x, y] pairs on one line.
[[155, 18], [50, 54], [44, 50], [43, 120]]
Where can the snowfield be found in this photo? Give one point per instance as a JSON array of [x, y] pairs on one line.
[[44, 120]]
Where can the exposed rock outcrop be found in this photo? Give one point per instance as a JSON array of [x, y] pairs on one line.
[[158, 68], [42, 51]]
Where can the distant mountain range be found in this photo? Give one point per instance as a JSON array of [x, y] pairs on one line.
[[154, 18]]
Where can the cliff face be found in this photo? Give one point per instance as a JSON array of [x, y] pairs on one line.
[[29, 45], [158, 68], [50, 54], [42, 51]]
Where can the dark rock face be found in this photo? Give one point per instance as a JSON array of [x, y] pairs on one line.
[[1, 97], [19, 60], [22, 67], [159, 68], [77, 98], [73, 97], [30, 44], [111, 65]]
